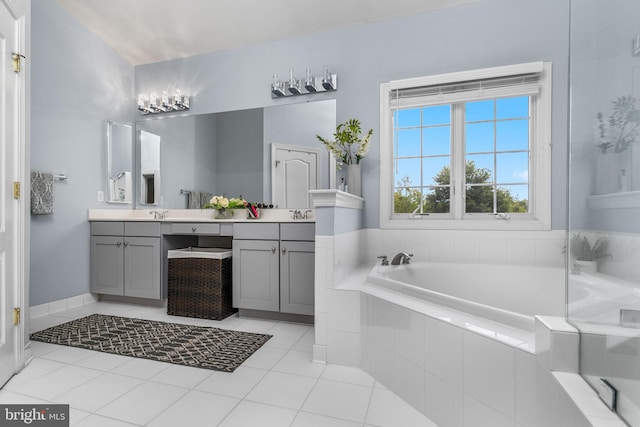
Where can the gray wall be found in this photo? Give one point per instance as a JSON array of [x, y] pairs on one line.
[[483, 34], [77, 83]]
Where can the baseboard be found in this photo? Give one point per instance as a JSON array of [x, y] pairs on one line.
[[61, 305]]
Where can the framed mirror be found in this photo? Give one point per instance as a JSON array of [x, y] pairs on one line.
[[119, 163], [149, 168]]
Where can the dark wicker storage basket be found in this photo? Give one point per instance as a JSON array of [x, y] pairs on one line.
[[200, 287]]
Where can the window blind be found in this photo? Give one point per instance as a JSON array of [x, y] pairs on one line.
[[471, 90]]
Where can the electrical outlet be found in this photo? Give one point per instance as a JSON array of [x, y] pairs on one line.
[[100, 196], [630, 318]]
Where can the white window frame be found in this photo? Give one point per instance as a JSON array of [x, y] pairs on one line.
[[539, 217]]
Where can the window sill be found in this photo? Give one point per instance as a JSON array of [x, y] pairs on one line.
[[466, 224], [622, 200]]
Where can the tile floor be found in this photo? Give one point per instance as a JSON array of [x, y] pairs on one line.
[[277, 386]]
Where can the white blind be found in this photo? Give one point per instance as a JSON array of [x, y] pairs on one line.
[[471, 90]]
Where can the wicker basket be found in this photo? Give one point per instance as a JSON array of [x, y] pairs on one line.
[[200, 283]]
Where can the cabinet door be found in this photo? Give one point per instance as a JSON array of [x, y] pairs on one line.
[[297, 261], [142, 267], [107, 265], [255, 274]]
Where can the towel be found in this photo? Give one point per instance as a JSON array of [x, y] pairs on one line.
[[41, 193], [197, 199]]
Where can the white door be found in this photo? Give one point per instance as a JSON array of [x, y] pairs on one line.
[[8, 205], [294, 171]]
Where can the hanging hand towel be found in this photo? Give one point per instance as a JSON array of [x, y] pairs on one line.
[[41, 193]]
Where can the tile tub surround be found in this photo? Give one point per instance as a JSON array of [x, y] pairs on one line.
[[431, 362]]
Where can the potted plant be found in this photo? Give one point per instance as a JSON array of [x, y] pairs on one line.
[[349, 147], [586, 255]]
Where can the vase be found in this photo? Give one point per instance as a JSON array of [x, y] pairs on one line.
[[590, 267], [613, 171], [223, 213], [354, 179]]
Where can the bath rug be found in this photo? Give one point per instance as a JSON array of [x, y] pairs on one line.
[[189, 345]]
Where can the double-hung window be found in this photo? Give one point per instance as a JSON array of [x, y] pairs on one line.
[[467, 150]]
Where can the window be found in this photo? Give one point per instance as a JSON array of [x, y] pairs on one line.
[[467, 150]]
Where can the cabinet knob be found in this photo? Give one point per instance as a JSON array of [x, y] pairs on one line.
[[118, 244], [193, 229], [284, 250], [273, 250], [126, 244]]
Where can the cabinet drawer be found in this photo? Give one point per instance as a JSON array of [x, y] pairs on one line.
[[107, 228], [195, 228], [142, 229], [306, 231], [266, 231]]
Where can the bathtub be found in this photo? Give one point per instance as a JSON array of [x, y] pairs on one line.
[[507, 294]]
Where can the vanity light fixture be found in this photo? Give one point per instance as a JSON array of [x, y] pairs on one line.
[[325, 82], [154, 104]]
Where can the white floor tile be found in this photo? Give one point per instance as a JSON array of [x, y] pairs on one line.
[[280, 389], [388, 410], [307, 419], [37, 368], [98, 392], [299, 362], [236, 384], [102, 361], [306, 342], [290, 328], [94, 420], [9, 397], [143, 403], [182, 376], [254, 325], [257, 414], [347, 374], [68, 354], [57, 382], [39, 348], [140, 368], [339, 400], [76, 415], [265, 358], [196, 408], [282, 340]]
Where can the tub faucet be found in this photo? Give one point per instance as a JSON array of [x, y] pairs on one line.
[[401, 258]]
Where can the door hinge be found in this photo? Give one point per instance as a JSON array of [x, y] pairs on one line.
[[16, 190], [16, 316], [16, 57]]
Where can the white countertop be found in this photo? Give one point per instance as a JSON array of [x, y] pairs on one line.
[[193, 215]]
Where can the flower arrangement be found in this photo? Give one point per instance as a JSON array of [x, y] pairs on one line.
[[622, 128], [222, 203], [348, 145]]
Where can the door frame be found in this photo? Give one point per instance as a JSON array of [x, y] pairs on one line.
[[20, 10], [275, 147]]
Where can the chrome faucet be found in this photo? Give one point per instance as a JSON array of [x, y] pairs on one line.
[[305, 215], [158, 214], [401, 258], [296, 213]]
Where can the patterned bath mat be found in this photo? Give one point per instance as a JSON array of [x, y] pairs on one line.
[[198, 346]]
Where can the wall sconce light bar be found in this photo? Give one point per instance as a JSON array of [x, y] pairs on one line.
[[154, 104], [325, 82]]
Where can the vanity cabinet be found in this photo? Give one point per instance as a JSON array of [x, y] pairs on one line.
[[273, 267], [126, 259]]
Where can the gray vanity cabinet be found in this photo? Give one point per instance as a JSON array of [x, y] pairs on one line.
[[273, 267], [126, 259]]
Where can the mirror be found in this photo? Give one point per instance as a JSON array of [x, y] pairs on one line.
[[149, 168], [119, 163], [229, 152]]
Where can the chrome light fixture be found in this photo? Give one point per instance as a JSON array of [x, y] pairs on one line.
[[154, 104], [326, 82]]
